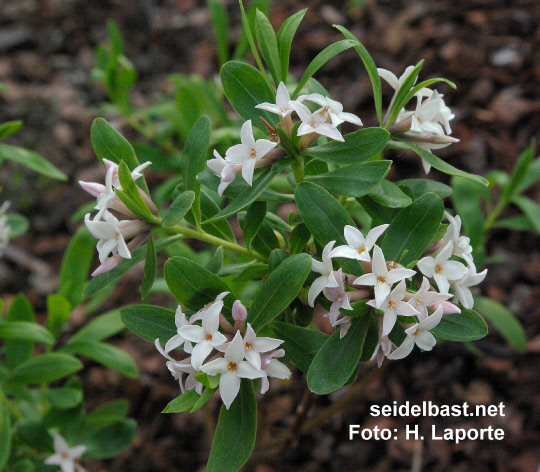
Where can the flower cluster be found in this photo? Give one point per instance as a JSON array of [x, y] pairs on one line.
[[248, 155], [388, 279], [112, 232], [428, 126], [5, 229], [235, 354], [65, 456]]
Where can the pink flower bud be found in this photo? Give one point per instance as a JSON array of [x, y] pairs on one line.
[[448, 308], [93, 188], [239, 311]]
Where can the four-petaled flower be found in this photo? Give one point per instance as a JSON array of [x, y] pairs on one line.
[[419, 334], [424, 297], [111, 239], [254, 346], [232, 368], [316, 122], [271, 367], [64, 456], [358, 246], [224, 169], [461, 287], [381, 278], [441, 269], [249, 152], [333, 108], [393, 305]]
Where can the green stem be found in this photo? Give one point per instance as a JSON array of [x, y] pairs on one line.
[[208, 238], [298, 169], [492, 217]]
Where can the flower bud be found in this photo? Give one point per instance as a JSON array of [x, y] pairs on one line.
[[239, 311]]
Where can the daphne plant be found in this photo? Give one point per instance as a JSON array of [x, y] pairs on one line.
[[384, 259]]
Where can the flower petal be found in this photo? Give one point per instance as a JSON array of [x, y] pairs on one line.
[[248, 167], [229, 385], [404, 350]]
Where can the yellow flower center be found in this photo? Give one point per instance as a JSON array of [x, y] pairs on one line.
[[232, 367], [116, 235], [381, 279], [438, 269], [416, 332], [248, 346], [208, 337], [361, 250], [391, 304], [253, 153]]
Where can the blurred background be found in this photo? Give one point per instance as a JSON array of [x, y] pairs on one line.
[[488, 48]]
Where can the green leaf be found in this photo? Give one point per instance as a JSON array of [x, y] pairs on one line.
[[246, 197], [401, 96], [359, 146], [206, 395], [517, 223], [58, 311], [25, 331], [531, 177], [284, 40], [426, 83], [325, 218], [5, 433], [209, 208], [266, 39], [235, 433], [45, 368], [191, 284], [9, 128], [220, 22], [184, 402], [441, 165], [150, 268], [279, 290], [245, 88], [64, 398], [355, 180], [76, 266], [371, 69], [150, 322], [465, 326], [104, 354], [216, 262], [253, 221], [277, 256], [101, 281], [504, 320], [111, 441], [209, 381], [142, 212], [265, 241], [31, 160], [102, 327], [519, 172], [178, 209], [321, 59], [412, 229], [337, 359], [194, 159], [298, 239], [17, 352], [18, 225], [390, 195], [420, 187], [530, 209], [110, 144], [371, 341], [252, 272], [130, 188], [468, 204], [301, 344]]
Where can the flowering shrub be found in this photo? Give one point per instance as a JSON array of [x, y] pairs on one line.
[[385, 260]]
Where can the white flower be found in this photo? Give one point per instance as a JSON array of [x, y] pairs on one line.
[[461, 244], [232, 368], [441, 268], [327, 278], [316, 122], [382, 278], [383, 349], [249, 152], [396, 83], [358, 247], [419, 334], [254, 346], [424, 298], [224, 169], [64, 456], [111, 239], [344, 324], [339, 297], [445, 114], [333, 108], [207, 337], [393, 305], [271, 367], [282, 106], [5, 229], [425, 115], [461, 287], [135, 173]]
